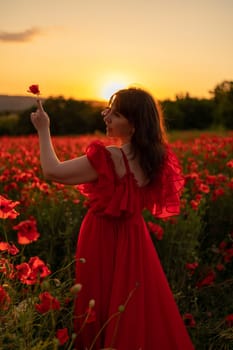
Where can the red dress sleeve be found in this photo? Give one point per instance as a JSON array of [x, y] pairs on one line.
[[162, 196], [108, 195], [101, 161]]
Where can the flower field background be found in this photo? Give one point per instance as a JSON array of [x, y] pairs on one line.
[[39, 224]]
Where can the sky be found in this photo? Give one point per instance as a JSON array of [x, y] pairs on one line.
[[88, 49]]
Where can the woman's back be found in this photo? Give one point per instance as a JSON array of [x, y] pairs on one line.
[[122, 156]]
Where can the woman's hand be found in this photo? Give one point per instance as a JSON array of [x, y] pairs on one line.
[[40, 118]]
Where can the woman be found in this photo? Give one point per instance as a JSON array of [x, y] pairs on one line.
[[125, 302]]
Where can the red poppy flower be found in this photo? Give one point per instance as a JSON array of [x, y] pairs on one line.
[[38, 266], [23, 272], [191, 267], [222, 246], [62, 335], [230, 163], [156, 230], [230, 184], [11, 249], [7, 210], [34, 89], [204, 188], [221, 178], [47, 303], [228, 255], [208, 280], [229, 320], [194, 204], [27, 231], [220, 267], [217, 192], [189, 320], [192, 176], [33, 271], [211, 179]]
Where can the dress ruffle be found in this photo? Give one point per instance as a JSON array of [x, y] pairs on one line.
[[112, 196], [162, 196], [109, 194]]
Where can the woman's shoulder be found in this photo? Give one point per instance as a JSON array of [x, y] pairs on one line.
[[97, 149], [117, 159], [114, 150], [98, 144]]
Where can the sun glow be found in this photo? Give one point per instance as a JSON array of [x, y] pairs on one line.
[[110, 87]]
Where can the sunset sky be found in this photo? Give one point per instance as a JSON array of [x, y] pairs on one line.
[[84, 49]]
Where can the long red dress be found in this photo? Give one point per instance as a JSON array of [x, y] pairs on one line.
[[134, 306]]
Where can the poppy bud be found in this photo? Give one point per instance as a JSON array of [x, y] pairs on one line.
[[76, 288], [91, 303]]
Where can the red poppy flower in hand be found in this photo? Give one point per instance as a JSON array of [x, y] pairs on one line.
[[34, 89]]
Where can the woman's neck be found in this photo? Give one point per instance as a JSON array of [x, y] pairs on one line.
[[126, 147]]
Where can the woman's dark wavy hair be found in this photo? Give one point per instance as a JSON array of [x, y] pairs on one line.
[[149, 138]]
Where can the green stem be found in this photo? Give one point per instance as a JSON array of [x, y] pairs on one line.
[[102, 328], [83, 324], [118, 321], [55, 345], [62, 269], [118, 313], [72, 342], [4, 231]]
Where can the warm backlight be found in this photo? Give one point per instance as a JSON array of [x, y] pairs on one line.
[[111, 87]]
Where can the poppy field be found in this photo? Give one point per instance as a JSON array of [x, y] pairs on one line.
[[39, 225]]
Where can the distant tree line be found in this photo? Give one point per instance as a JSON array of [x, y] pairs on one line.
[[70, 117], [67, 117], [192, 113]]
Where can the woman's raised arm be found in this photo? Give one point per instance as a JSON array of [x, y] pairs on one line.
[[71, 172]]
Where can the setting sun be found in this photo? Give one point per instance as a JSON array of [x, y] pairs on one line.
[[112, 51], [110, 87]]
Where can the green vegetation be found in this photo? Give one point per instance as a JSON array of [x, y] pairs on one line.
[[70, 117], [8, 124]]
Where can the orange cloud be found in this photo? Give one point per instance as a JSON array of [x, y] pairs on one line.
[[25, 36]]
